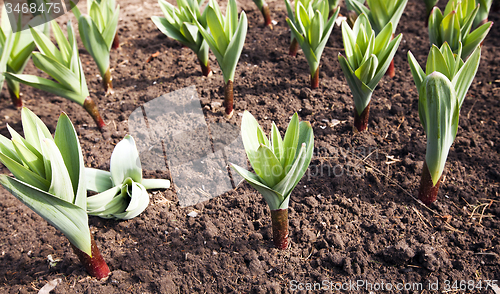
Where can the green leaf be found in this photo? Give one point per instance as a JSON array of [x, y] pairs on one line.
[[475, 38], [268, 167], [277, 143], [125, 162], [290, 142], [155, 183], [361, 92], [60, 185], [217, 30], [47, 85], [98, 180], [416, 71], [273, 198], [436, 62], [57, 71], [94, 43], [30, 123], [234, 49], [34, 161], [68, 218], [107, 203], [464, 77], [66, 140], [45, 45], [438, 106]]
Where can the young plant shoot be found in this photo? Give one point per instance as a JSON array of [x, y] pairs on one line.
[[367, 59], [19, 53], [98, 32], [482, 14], [226, 37], [49, 177], [380, 13], [279, 165], [180, 24], [429, 5], [311, 29], [64, 66], [441, 89], [454, 26], [122, 190], [266, 13]]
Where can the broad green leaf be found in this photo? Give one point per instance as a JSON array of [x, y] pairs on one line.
[[60, 185], [98, 180], [438, 105], [273, 198], [464, 77], [94, 43], [268, 167], [68, 144], [436, 62], [57, 71], [475, 38], [33, 161], [47, 85], [68, 218], [45, 45], [155, 183], [125, 162], [217, 31], [234, 49], [30, 123]]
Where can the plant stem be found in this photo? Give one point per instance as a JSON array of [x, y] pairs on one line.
[[294, 48], [92, 109], [266, 13], [205, 69], [116, 42], [391, 72], [315, 79], [95, 265], [279, 219], [16, 100], [107, 82], [228, 99], [361, 121], [428, 192]]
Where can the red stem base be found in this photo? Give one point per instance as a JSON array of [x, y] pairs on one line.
[[315, 79], [229, 99], [16, 100], [361, 121], [427, 192], [279, 219], [294, 48], [205, 69], [95, 265], [92, 109], [391, 72], [116, 42], [266, 13]]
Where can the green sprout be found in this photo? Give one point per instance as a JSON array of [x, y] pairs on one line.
[[279, 165], [122, 190], [453, 27], [17, 53], [482, 13], [266, 13], [98, 32], [180, 25], [367, 59], [380, 13], [311, 29], [429, 4], [64, 66], [226, 39], [49, 177], [441, 89]]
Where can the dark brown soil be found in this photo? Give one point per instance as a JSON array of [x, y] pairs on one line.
[[352, 217]]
